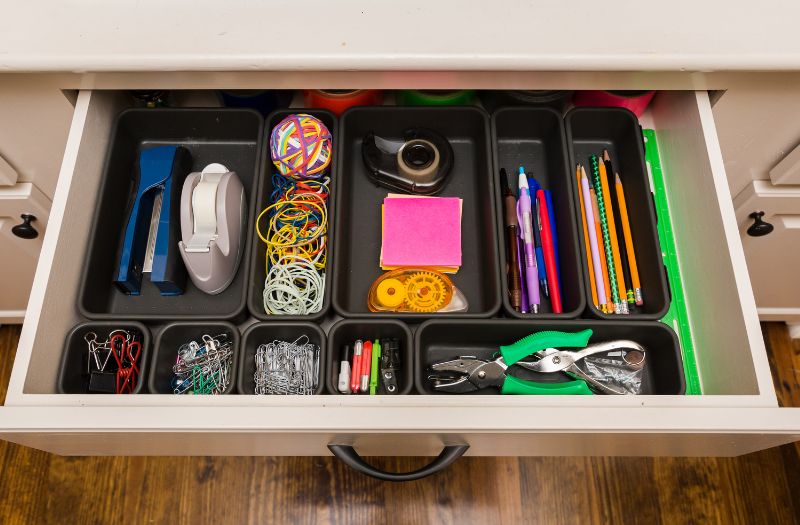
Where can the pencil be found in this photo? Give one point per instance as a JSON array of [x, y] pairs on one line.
[[612, 234], [589, 263], [602, 203], [626, 230], [608, 306], [628, 295]]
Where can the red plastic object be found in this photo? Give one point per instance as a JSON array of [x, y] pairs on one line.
[[635, 101], [339, 101], [549, 254]]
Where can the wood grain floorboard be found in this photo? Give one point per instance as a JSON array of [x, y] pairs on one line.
[[40, 488]]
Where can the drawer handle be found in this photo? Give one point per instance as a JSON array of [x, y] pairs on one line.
[[348, 454], [760, 227], [25, 230]]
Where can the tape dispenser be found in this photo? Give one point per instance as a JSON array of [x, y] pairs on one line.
[[150, 239], [212, 214], [420, 163], [421, 290]]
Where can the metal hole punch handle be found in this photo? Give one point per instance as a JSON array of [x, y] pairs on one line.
[[25, 230], [352, 459]]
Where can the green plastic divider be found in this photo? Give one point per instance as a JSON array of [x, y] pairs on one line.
[[677, 317]]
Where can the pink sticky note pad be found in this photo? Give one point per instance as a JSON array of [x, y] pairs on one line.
[[421, 231]]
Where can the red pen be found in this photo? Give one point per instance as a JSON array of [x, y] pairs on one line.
[[549, 253], [366, 366], [355, 377]]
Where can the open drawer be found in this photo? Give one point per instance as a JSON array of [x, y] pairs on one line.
[[738, 412]]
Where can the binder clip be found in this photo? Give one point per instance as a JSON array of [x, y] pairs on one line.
[[212, 214], [150, 241]]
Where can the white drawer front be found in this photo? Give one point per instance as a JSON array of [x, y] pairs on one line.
[[730, 351]]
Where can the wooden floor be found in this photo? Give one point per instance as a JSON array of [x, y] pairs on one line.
[[39, 488]]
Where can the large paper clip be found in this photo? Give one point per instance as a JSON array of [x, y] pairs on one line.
[[150, 243]]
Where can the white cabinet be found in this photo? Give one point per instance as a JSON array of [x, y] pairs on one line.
[[737, 414], [18, 255]]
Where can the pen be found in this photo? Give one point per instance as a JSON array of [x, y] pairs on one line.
[[549, 254], [537, 238], [344, 371], [512, 246], [523, 307], [355, 374], [526, 218], [553, 232], [366, 366], [373, 377]]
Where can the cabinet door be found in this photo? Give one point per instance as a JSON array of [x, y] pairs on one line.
[[772, 259], [18, 256]]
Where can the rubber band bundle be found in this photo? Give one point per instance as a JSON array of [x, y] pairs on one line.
[[294, 226]]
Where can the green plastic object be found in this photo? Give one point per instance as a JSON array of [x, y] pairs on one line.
[[677, 316], [513, 385], [373, 376], [542, 340], [411, 97]]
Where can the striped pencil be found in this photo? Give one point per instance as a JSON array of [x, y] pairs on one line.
[[602, 202]]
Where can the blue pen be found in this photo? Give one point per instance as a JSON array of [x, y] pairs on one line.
[[549, 198], [537, 238]]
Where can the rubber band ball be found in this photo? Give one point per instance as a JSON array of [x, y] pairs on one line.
[[300, 146]]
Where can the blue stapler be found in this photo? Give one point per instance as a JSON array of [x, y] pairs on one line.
[[152, 229]]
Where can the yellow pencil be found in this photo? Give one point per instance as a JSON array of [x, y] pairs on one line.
[[607, 308], [586, 238], [626, 230], [612, 232]]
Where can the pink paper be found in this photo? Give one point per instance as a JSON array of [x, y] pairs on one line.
[[421, 231]]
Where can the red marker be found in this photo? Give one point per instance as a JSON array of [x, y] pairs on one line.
[[549, 253], [366, 366], [355, 375]]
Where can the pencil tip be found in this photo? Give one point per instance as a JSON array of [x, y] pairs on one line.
[[605, 155], [616, 177]]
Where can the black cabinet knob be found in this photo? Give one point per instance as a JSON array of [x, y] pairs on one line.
[[25, 230], [759, 228]]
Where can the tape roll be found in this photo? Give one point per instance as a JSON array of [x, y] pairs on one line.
[[418, 159], [411, 97], [338, 101]]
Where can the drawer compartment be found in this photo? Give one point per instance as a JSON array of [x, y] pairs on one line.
[[258, 256], [227, 136], [358, 199], [438, 341], [174, 337], [77, 359], [267, 332], [345, 332], [590, 131], [534, 138]]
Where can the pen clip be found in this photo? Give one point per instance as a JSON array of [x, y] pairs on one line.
[[520, 221]]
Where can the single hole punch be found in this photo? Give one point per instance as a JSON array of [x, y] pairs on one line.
[[420, 163]]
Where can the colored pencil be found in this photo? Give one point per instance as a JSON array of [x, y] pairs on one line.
[[593, 251], [626, 230], [628, 295], [608, 306], [604, 227], [587, 245], [612, 234]]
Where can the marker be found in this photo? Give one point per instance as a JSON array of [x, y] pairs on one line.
[[366, 366], [344, 370], [526, 220], [373, 377], [355, 375]]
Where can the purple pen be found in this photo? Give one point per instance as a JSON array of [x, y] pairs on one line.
[[522, 286], [525, 217]]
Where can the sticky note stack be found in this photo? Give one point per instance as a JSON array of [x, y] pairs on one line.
[[421, 231]]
